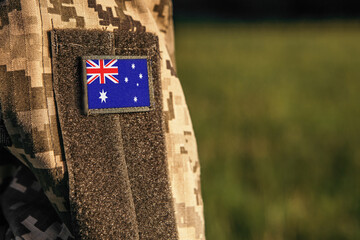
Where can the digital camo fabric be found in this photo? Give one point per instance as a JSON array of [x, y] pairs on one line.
[[27, 97], [24, 210]]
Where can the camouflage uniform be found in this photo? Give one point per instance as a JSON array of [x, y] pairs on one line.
[[111, 195]]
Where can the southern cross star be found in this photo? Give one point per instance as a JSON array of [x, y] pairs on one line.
[[140, 76], [103, 96], [135, 99], [133, 66]]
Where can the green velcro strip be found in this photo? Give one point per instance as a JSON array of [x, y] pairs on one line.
[[144, 148], [100, 195], [118, 172]]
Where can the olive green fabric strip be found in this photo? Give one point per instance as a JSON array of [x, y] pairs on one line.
[[118, 170], [144, 146], [100, 193]]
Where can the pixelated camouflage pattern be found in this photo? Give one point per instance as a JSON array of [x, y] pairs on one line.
[[27, 220], [27, 96]]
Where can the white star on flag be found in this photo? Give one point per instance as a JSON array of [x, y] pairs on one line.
[[135, 99], [126, 79], [140, 76], [103, 96], [133, 66]]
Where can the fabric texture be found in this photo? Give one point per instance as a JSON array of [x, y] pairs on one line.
[[33, 120], [106, 210], [144, 147], [4, 136], [24, 208]]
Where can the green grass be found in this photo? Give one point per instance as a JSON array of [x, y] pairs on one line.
[[276, 112]]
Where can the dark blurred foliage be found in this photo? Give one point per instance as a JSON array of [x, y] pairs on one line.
[[268, 9]]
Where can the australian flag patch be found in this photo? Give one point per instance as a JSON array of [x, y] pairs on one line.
[[114, 84]]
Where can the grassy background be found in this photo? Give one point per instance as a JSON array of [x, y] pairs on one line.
[[276, 113]]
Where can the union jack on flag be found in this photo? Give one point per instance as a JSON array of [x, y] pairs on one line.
[[117, 84], [101, 69]]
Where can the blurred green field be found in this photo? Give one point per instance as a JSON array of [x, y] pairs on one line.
[[276, 113]]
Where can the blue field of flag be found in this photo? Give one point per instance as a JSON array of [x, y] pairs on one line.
[[117, 83]]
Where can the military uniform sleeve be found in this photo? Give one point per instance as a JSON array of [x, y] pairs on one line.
[[117, 172]]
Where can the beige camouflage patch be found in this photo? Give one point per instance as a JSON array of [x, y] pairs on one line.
[[59, 202]]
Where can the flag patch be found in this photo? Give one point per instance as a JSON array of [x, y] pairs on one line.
[[117, 84]]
